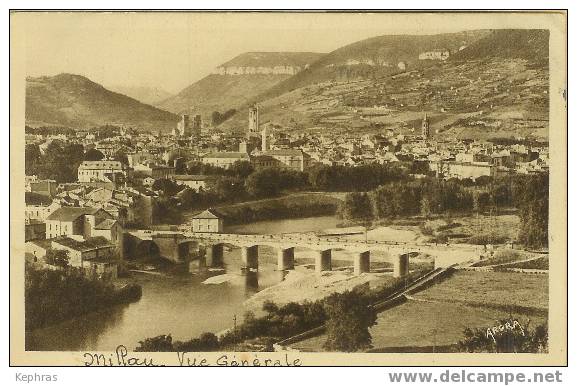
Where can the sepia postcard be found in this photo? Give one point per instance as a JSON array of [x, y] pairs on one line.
[[267, 188]]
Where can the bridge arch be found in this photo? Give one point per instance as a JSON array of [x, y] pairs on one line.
[[145, 250]]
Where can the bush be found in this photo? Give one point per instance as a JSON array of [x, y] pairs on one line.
[[509, 336]]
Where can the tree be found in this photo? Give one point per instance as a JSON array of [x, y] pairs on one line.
[[349, 318], [241, 169], [263, 183], [32, 157], [60, 162], [533, 204], [357, 206], [226, 188], [160, 343], [93, 155], [168, 187], [57, 257], [121, 156]]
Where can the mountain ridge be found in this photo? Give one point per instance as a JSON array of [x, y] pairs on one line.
[[76, 101]]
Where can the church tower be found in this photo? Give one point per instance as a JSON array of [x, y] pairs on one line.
[[425, 128]]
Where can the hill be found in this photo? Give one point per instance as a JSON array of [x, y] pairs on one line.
[[144, 94], [235, 82], [376, 57], [76, 101], [509, 44], [486, 89]]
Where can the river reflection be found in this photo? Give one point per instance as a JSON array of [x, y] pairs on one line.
[[180, 305]]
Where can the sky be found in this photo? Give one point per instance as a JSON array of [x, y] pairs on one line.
[[171, 50]]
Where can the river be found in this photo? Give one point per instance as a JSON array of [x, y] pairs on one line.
[[180, 305]]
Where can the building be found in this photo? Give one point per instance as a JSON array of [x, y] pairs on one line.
[[155, 171], [84, 222], [183, 128], [195, 182], [208, 221], [95, 255], [253, 122], [293, 159], [462, 170], [102, 171], [40, 212], [224, 159], [439, 54], [425, 128]]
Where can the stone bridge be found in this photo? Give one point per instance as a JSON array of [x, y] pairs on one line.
[[177, 247]]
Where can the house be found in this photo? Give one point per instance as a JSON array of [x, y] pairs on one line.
[[102, 171], [85, 222], [39, 206], [224, 159], [95, 255], [195, 182], [36, 249], [293, 159], [208, 221], [155, 171]]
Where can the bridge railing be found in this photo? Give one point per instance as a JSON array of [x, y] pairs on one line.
[[316, 239]]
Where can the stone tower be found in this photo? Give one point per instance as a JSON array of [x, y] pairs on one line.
[[183, 126], [253, 124], [425, 128]]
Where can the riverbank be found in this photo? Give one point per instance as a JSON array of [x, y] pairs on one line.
[[303, 284], [296, 205]]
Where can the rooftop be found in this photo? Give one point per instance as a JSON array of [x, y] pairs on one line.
[[70, 213], [83, 246], [231, 154], [208, 214], [192, 177]]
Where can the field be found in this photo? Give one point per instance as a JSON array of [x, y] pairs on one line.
[[438, 315], [424, 324], [500, 289], [498, 228]]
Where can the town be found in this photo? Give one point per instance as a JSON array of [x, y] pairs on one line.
[[391, 195], [118, 180]]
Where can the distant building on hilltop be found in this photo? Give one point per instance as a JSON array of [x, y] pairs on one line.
[[438, 54]]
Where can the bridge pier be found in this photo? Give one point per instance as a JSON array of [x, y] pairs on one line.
[[401, 265], [286, 258], [323, 261], [249, 256], [362, 262], [214, 255]]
